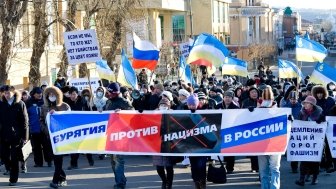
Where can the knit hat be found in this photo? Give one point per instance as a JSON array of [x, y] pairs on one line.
[[253, 88], [183, 92], [229, 93], [310, 99], [168, 94], [113, 88], [293, 94], [165, 102], [267, 93], [201, 96], [193, 100]]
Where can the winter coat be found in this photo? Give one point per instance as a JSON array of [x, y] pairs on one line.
[[314, 116], [154, 101], [296, 108], [59, 105], [14, 120], [222, 106], [118, 103], [325, 104], [249, 103], [77, 105], [34, 113]]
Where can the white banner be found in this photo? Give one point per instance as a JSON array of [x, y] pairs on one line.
[[184, 49], [306, 141], [331, 135], [81, 46], [83, 83]]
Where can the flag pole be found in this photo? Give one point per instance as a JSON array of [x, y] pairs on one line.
[[90, 87]]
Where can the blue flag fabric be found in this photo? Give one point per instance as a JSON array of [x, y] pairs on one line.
[[127, 76]]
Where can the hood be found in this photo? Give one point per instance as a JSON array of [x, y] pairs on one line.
[[17, 97], [57, 92]]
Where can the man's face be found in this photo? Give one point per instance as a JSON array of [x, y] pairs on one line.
[[227, 100], [293, 101], [182, 98], [38, 96], [319, 95], [8, 94], [73, 96], [25, 97], [212, 93]]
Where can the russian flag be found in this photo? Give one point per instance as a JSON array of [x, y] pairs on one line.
[[145, 54]]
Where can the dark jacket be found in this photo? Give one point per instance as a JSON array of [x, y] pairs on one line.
[[118, 103], [249, 102], [296, 108], [325, 104], [154, 101], [77, 105], [222, 106], [14, 120], [34, 113]]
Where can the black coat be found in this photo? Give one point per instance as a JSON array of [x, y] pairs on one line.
[[222, 106], [118, 103], [14, 120]]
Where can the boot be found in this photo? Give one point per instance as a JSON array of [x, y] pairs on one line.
[[301, 181], [169, 185], [164, 185], [197, 185], [202, 184], [314, 180]]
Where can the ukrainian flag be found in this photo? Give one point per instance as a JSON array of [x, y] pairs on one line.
[[127, 76], [288, 69], [207, 51], [104, 71], [323, 74], [234, 66], [185, 72], [309, 51]]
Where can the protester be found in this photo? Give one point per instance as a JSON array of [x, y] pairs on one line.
[[117, 103], [39, 138], [309, 112], [53, 101], [269, 165], [99, 100], [164, 163], [14, 131]]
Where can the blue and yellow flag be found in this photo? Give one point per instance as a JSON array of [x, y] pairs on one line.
[[288, 69], [185, 72], [104, 71], [234, 66], [309, 51], [323, 74], [127, 76]]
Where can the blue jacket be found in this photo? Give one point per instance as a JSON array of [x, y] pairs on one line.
[[296, 108], [34, 113]]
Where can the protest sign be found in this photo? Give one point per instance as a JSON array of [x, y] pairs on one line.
[[331, 135], [172, 133], [184, 49], [306, 141], [81, 46], [83, 83]]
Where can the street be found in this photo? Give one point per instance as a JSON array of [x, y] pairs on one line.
[[140, 173]]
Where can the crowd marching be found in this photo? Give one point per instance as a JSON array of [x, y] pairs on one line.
[[23, 118]]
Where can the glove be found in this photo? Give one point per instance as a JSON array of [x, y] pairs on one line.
[[290, 118], [251, 108], [193, 111], [319, 120], [140, 111]]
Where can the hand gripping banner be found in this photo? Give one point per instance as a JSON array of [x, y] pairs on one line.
[[171, 133]]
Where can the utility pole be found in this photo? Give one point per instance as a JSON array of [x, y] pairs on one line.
[[191, 20]]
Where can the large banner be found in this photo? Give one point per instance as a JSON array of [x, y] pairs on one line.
[[306, 141], [211, 132], [331, 135]]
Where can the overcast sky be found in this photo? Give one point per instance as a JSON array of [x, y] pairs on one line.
[[317, 4]]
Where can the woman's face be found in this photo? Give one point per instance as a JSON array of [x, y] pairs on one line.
[[239, 91], [308, 106]]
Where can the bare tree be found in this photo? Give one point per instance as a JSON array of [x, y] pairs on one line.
[[41, 33], [257, 52], [11, 12]]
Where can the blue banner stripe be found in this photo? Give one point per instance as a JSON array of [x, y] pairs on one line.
[[326, 70], [60, 122], [235, 61], [233, 131], [145, 55]]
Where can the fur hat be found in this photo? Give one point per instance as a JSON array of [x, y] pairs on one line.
[[310, 99], [184, 92], [267, 93], [159, 86], [319, 89], [193, 100]]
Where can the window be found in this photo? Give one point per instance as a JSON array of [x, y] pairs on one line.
[[215, 12], [178, 28], [162, 26], [221, 13]]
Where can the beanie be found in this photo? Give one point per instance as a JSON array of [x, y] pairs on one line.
[[193, 100], [113, 88]]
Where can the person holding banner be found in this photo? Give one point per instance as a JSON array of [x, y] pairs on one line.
[[53, 101], [117, 102], [309, 112], [269, 165], [165, 162], [197, 163]]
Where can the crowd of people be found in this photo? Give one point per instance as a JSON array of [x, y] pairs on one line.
[[23, 118]]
